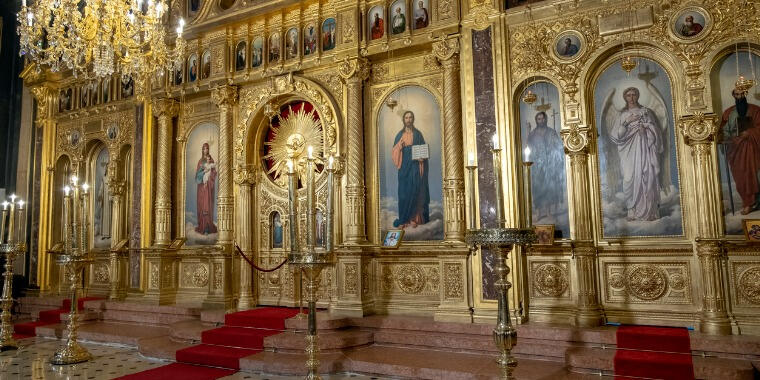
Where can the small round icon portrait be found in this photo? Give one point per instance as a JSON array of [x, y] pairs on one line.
[[74, 138], [569, 45], [112, 132], [691, 23]]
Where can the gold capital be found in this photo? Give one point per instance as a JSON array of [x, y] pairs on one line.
[[445, 48], [699, 128], [165, 107], [225, 95]]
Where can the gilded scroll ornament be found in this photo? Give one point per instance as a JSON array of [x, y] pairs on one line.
[[410, 278], [749, 284], [102, 273], [351, 280], [195, 275], [646, 282], [677, 282], [550, 280], [617, 281], [357, 66], [218, 277], [699, 128], [452, 283], [154, 276], [225, 95], [445, 48], [576, 138]]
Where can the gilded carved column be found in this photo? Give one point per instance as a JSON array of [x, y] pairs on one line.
[[588, 310], [354, 72], [699, 132], [164, 110], [45, 97], [225, 97], [245, 179], [447, 53]]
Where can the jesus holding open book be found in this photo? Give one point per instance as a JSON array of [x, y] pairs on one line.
[[410, 156]]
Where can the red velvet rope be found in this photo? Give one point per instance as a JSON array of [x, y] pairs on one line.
[[250, 262]]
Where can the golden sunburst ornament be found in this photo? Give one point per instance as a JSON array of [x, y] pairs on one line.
[[296, 132]]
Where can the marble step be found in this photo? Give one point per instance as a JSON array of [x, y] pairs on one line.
[[405, 363], [328, 341], [593, 360], [135, 312], [161, 347], [106, 332]]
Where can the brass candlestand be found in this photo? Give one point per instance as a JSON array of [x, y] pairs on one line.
[[76, 209], [10, 247], [311, 260], [500, 241]]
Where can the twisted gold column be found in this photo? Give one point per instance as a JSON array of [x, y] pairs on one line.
[[164, 110], [588, 309], [225, 97], [447, 53], [699, 131], [245, 179], [354, 73]]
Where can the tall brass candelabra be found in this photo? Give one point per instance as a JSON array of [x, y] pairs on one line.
[[11, 247], [500, 241], [311, 260], [76, 209]]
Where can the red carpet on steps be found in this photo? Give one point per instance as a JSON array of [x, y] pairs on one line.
[[243, 335], [653, 353], [48, 317]]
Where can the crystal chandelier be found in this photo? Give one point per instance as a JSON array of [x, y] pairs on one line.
[[96, 38]]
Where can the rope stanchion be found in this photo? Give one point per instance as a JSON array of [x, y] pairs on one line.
[[251, 263]]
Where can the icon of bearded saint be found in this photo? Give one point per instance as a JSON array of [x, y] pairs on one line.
[[636, 150]]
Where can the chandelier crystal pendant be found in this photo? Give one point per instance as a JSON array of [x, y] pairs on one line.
[[97, 38]]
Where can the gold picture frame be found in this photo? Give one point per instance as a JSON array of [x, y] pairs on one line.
[[545, 234], [392, 239], [751, 230]]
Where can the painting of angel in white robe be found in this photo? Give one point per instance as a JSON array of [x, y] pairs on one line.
[[638, 169]]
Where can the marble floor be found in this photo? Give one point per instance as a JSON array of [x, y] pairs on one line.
[[31, 361]]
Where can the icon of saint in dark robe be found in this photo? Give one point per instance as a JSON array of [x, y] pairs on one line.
[[413, 188]]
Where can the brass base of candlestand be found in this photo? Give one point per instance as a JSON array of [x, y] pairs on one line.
[[500, 241], [6, 326], [311, 265], [71, 353]]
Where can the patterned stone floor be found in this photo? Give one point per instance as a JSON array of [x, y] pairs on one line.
[[32, 361]]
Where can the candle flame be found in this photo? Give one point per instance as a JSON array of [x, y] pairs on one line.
[[66, 190], [5, 205], [74, 180], [13, 198], [20, 204], [85, 187], [311, 151]]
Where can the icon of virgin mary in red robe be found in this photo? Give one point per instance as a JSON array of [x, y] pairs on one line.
[[205, 178]]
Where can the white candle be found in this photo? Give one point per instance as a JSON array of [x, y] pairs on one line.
[[290, 166], [330, 163], [85, 187], [310, 151], [496, 141], [470, 159], [527, 153], [2, 222], [23, 3], [74, 180], [21, 222]]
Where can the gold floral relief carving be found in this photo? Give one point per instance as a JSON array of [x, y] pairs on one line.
[[410, 278], [747, 278], [195, 275], [453, 281], [530, 47], [380, 72], [154, 275], [102, 274], [218, 276], [349, 20], [351, 281], [648, 283], [167, 276], [366, 273], [445, 9], [550, 279]]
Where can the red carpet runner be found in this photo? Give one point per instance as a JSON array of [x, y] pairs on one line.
[[242, 335], [47, 317], [653, 353]]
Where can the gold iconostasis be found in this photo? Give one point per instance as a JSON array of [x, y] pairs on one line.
[[641, 119]]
